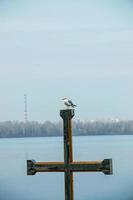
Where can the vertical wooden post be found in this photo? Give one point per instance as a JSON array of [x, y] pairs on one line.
[[67, 115]]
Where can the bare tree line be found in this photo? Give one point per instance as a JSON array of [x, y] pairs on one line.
[[12, 129]]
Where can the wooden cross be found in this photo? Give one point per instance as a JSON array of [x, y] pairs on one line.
[[69, 166]]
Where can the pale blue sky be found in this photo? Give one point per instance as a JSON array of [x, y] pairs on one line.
[[82, 49]]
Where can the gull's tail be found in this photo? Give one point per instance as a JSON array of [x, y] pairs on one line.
[[73, 105]]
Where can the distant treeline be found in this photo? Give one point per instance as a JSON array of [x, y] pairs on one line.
[[11, 129]]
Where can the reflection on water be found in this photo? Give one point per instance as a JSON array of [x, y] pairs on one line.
[[16, 185]]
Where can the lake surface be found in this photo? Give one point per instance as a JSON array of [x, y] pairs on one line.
[[16, 185]]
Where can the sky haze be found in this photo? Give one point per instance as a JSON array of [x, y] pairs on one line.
[[77, 49]]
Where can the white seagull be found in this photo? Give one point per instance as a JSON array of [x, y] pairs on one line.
[[68, 103]]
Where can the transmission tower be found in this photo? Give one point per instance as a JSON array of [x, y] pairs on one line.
[[25, 108]]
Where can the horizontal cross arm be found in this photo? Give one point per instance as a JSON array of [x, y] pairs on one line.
[[104, 166], [33, 167]]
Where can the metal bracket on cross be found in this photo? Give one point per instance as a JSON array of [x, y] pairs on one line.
[[69, 166]]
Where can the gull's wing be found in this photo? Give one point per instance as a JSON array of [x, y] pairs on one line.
[[70, 102], [67, 103]]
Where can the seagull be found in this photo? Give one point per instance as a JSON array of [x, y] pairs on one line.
[[68, 103]]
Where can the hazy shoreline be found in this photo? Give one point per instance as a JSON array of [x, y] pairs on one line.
[[15, 129]]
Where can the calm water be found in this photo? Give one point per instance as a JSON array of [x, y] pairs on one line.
[[16, 185]]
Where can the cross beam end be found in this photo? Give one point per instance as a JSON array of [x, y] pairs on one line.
[[30, 167], [107, 167]]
